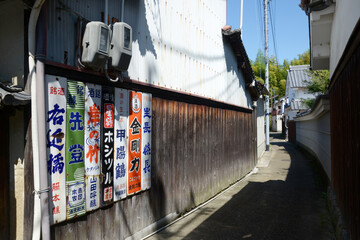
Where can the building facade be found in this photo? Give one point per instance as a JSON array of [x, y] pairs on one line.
[[185, 74]]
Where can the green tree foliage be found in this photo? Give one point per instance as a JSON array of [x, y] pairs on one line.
[[303, 59], [277, 72], [319, 82]]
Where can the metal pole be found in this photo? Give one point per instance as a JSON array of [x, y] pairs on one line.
[[266, 76]]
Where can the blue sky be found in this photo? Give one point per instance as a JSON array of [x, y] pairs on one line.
[[289, 21]]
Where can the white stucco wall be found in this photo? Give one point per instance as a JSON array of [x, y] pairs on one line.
[[260, 119], [176, 45], [347, 14], [299, 93], [315, 135], [188, 53], [276, 124]]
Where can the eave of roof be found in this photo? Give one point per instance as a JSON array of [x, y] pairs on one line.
[[255, 88], [234, 38], [11, 97]]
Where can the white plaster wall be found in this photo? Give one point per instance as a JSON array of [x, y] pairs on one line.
[[12, 42], [276, 125], [179, 46], [347, 14], [315, 134], [176, 45], [261, 144]]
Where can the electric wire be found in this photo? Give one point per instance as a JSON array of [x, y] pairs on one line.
[[273, 33], [261, 40]]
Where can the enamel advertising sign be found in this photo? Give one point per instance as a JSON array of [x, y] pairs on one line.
[[134, 148], [56, 89], [75, 184], [98, 145], [146, 141], [121, 144], [92, 145], [107, 164]]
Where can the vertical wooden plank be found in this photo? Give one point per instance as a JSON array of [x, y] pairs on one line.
[[81, 224], [180, 157], [94, 225], [68, 231], [185, 160], [175, 152], [117, 220]]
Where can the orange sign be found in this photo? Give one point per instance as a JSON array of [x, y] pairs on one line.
[[134, 161]]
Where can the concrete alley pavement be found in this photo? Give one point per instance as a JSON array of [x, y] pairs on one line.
[[282, 199]]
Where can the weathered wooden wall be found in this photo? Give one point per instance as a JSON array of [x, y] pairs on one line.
[[197, 151], [345, 141]]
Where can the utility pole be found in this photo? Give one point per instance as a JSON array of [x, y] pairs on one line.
[[267, 137]]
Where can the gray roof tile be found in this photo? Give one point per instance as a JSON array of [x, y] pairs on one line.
[[298, 75]]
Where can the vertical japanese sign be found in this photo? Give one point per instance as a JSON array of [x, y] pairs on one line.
[[75, 149], [92, 145], [134, 159], [107, 165], [121, 136], [56, 125], [146, 141]]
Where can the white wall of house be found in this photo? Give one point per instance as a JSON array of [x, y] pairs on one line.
[[12, 42], [276, 123], [261, 144], [177, 45], [313, 132], [299, 93], [189, 53], [347, 15]]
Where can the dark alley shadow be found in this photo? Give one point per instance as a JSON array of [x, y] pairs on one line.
[[274, 209]]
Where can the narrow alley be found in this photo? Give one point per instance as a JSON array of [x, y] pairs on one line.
[[283, 198]]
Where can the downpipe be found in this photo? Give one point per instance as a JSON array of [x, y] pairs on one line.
[[41, 221]]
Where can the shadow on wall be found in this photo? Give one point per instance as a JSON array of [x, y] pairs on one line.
[[135, 16], [232, 70]]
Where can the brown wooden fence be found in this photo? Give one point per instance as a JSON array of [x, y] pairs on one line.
[[345, 141], [197, 151], [292, 131]]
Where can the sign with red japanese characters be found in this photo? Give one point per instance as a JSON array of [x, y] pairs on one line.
[[121, 137], [107, 163], [92, 145], [75, 172], [55, 129], [146, 141], [134, 144]]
